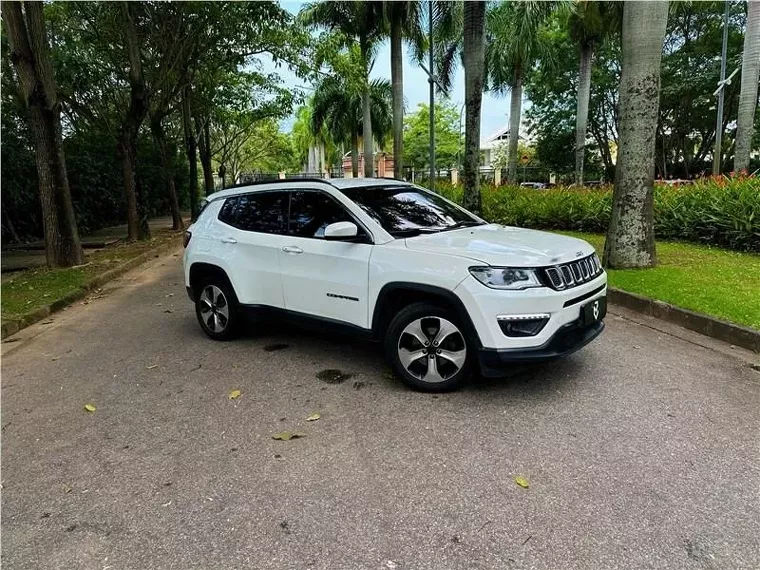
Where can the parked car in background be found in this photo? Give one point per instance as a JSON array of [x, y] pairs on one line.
[[534, 185], [446, 292]]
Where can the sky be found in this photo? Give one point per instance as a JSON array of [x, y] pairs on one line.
[[495, 110]]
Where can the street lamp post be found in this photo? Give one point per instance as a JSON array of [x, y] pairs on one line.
[[718, 154]]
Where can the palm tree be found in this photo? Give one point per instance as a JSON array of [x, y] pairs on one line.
[[404, 20], [748, 94], [516, 42], [589, 21], [473, 59], [336, 108], [362, 21], [630, 237]]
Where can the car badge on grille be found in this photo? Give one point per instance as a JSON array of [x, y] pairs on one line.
[[578, 253]]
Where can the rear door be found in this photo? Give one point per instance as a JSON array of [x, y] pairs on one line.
[[250, 237], [320, 277]]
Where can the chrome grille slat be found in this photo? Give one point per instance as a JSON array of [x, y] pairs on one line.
[[573, 273]]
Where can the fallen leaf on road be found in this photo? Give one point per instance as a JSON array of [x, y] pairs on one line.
[[234, 395], [152, 366], [391, 564], [48, 322], [89, 407], [288, 435], [170, 295], [313, 417], [522, 481], [166, 504], [168, 310]]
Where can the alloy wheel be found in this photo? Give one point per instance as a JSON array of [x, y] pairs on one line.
[[215, 311], [432, 349]]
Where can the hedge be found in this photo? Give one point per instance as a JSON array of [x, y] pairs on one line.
[[722, 211]]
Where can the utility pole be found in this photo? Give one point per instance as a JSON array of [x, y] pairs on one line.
[[718, 154], [431, 80]]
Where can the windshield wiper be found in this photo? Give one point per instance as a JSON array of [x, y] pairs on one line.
[[462, 224], [411, 232]]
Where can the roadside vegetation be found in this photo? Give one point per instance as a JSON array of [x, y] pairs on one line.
[[26, 291], [723, 211]]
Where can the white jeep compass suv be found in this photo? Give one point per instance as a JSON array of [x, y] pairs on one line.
[[446, 292]]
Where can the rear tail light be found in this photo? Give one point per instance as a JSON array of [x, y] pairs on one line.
[[186, 241]]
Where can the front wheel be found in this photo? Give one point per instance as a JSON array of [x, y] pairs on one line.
[[427, 348]]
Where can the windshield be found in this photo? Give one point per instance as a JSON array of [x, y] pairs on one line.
[[407, 210]]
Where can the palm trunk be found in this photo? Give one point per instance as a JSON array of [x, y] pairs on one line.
[[515, 111], [745, 123], [474, 61], [630, 238], [191, 149], [355, 153], [397, 80], [27, 37], [369, 162], [167, 167], [581, 117]]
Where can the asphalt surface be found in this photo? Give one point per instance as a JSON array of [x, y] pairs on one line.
[[642, 451]]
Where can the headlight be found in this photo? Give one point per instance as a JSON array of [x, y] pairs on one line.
[[506, 277]]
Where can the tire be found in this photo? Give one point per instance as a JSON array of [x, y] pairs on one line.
[[217, 308], [411, 359]]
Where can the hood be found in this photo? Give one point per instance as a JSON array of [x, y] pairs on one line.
[[506, 246]]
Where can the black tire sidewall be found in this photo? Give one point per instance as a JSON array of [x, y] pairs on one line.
[[233, 324], [393, 332]]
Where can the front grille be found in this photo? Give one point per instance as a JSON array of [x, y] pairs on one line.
[[572, 274]]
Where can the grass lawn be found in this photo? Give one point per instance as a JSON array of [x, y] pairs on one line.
[[28, 290], [717, 282]]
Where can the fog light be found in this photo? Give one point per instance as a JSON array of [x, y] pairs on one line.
[[522, 325]]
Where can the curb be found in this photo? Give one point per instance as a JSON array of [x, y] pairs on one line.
[[12, 326], [737, 335]]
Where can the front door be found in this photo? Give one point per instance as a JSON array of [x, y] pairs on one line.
[[320, 277]]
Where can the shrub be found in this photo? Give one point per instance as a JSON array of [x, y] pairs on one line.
[[722, 211]]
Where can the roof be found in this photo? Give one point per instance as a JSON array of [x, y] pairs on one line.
[[338, 183]]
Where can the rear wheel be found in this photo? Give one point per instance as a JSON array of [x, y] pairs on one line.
[[217, 309], [427, 348]]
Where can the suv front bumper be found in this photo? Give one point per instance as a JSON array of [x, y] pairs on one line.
[[566, 340]]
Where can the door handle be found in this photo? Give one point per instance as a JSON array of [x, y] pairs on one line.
[[292, 249], [229, 240]]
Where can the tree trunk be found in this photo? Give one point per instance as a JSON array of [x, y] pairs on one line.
[[369, 162], [167, 166], [191, 149], [9, 225], [130, 127], [474, 61], [397, 81], [630, 238], [30, 56], [745, 123], [581, 117], [355, 154], [204, 150], [515, 112]]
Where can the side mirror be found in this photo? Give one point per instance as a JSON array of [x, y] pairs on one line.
[[341, 230]]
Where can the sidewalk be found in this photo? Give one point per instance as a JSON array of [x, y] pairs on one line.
[[17, 257]]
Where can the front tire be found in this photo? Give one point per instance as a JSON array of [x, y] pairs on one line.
[[427, 348], [217, 309]]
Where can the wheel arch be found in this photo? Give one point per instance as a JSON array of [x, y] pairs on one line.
[[200, 270], [395, 296]]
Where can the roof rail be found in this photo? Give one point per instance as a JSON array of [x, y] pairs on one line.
[[276, 181]]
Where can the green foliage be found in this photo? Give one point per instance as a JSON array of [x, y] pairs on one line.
[[417, 136], [695, 277], [722, 212]]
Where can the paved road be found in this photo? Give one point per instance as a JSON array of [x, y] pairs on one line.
[[642, 451]]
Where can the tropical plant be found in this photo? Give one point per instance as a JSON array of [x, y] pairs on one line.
[[336, 107], [473, 59], [748, 97], [447, 136], [589, 22], [360, 22], [517, 38], [404, 20], [630, 238]]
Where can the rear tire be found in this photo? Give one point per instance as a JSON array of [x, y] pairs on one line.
[[217, 308], [428, 349]]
